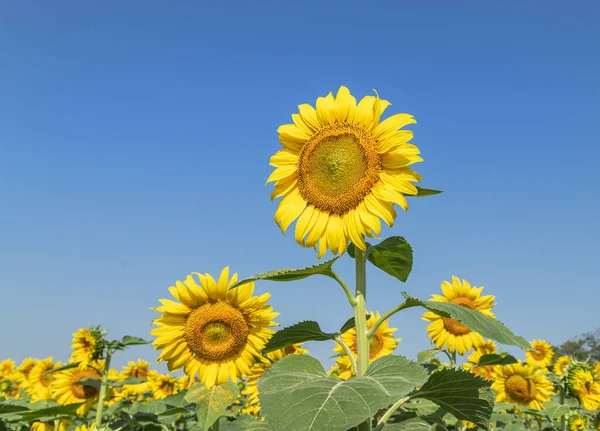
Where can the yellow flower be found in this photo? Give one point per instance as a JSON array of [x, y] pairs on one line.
[[163, 385], [583, 386], [577, 423], [23, 371], [211, 330], [484, 371], [341, 169], [92, 427], [561, 363], [65, 387], [63, 424], [39, 383], [541, 355], [383, 343], [597, 370], [519, 384], [450, 334], [141, 369], [84, 347], [7, 367], [488, 347]]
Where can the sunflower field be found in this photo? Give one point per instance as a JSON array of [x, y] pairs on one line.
[[343, 169]]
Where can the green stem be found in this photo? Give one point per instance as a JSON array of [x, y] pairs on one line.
[[349, 295], [381, 423], [348, 353], [360, 313], [102, 393], [454, 364], [215, 426], [563, 418], [386, 316]]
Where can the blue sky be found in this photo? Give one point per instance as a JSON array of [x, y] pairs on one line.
[[135, 139]]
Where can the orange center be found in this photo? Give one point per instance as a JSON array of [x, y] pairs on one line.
[[520, 389], [82, 391], [454, 326]]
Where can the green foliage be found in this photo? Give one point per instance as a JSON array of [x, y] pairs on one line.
[[393, 255], [422, 192], [494, 359], [460, 393], [298, 333], [425, 355], [290, 274], [211, 403], [473, 319], [244, 424]]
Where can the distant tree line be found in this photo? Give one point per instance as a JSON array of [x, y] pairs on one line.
[[581, 347]]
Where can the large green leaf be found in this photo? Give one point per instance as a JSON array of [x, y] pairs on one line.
[[242, 423], [393, 255], [64, 367], [211, 403], [494, 359], [298, 333], [7, 408], [297, 394], [414, 424], [51, 413], [460, 393], [2, 426], [425, 355], [422, 192], [127, 381], [290, 274], [474, 320], [555, 410]]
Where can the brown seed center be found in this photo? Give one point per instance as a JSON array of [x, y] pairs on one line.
[[84, 392], [520, 389], [454, 326]]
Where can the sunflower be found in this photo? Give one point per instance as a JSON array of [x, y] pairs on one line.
[[141, 369], [383, 343], [67, 389], [63, 424], [213, 331], [92, 427], [577, 423], [84, 347], [23, 371], [582, 385], [449, 333], [39, 382], [163, 385], [7, 367], [256, 372], [341, 169], [484, 371], [540, 355], [561, 364], [518, 383], [488, 347]]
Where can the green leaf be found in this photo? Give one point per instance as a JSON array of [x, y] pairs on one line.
[[461, 394], [175, 411], [350, 323], [298, 333], [2, 426], [555, 410], [92, 382], [127, 381], [476, 321], [128, 340], [297, 394], [64, 367], [493, 359], [211, 403], [427, 354], [393, 255], [7, 408], [51, 413], [242, 423], [414, 424], [290, 274], [422, 192]]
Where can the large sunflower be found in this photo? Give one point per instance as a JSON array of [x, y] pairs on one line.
[[449, 333], [67, 389], [520, 384], [540, 355], [581, 384], [383, 343], [39, 382], [212, 331], [341, 169]]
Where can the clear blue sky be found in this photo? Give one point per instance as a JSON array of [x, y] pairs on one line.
[[135, 138]]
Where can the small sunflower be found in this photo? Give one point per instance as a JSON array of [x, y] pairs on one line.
[[540, 355], [582, 385], [450, 334], [488, 347], [63, 424], [484, 371], [519, 384], [163, 385], [7, 367], [92, 427], [23, 371], [213, 331], [39, 382], [141, 369], [67, 389], [341, 169], [84, 347], [577, 423], [561, 364], [383, 343]]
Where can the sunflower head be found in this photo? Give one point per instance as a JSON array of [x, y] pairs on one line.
[[561, 364], [522, 384], [341, 170], [63, 424], [540, 355], [450, 334], [163, 385], [24, 369], [40, 380], [7, 367], [484, 371], [577, 422], [213, 331], [69, 386], [88, 345], [583, 385]]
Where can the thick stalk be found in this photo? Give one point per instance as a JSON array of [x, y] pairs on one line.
[[360, 313], [563, 418], [103, 386]]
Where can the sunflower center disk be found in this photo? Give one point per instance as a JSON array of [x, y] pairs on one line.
[[454, 326], [83, 391], [520, 389], [338, 167], [216, 332], [538, 354]]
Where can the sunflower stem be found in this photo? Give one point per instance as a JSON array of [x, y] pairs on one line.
[[360, 321], [347, 291], [215, 426], [371, 332], [381, 423], [454, 364], [563, 418], [103, 386], [349, 353]]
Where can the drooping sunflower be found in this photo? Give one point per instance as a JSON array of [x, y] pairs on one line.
[[163, 385], [383, 343], [84, 347], [582, 385], [66, 387], [213, 331], [561, 364], [141, 369], [341, 169], [522, 384], [540, 355], [39, 382], [7, 367], [450, 334]]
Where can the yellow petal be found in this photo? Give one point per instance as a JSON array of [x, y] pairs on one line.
[[391, 124], [284, 157], [326, 110], [346, 105], [304, 222], [364, 111], [309, 116], [290, 207]]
